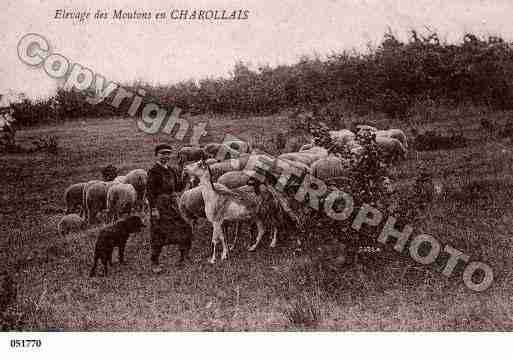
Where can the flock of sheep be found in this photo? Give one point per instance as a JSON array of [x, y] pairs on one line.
[[231, 180], [118, 196], [392, 143]]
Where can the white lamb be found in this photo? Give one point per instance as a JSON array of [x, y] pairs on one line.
[[70, 223]]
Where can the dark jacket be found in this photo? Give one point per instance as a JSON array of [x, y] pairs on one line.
[[161, 181], [170, 227]]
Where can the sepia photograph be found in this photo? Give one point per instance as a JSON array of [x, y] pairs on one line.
[[255, 166]]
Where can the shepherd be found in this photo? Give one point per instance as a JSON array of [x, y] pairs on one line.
[[167, 225]]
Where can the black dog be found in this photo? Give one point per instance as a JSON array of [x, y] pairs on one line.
[[114, 235]]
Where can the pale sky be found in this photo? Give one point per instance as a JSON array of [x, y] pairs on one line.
[[277, 32]]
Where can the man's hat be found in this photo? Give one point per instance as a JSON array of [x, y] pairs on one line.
[[163, 147]]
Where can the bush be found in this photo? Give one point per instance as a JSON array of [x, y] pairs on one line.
[[365, 182]]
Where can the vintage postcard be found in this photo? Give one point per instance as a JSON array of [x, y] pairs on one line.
[[329, 166]]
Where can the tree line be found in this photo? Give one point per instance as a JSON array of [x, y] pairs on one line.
[[389, 78]]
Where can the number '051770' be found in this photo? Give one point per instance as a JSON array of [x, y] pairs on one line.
[[25, 343]]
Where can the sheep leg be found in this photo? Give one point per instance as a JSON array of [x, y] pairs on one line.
[[215, 239], [275, 238], [261, 231], [224, 254]]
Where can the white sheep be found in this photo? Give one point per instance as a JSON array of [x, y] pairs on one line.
[[245, 161], [211, 161], [394, 133], [330, 167], [73, 197], [191, 205], [235, 179], [303, 157], [354, 147], [219, 168], [292, 166], [119, 179], [391, 148], [341, 137], [239, 146], [361, 128], [121, 199], [138, 178], [316, 150], [306, 147], [70, 223], [85, 188], [95, 199]]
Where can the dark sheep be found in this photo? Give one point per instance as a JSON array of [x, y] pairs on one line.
[[114, 235], [189, 154], [109, 173]]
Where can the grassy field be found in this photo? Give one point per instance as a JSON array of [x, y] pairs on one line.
[[270, 289]]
